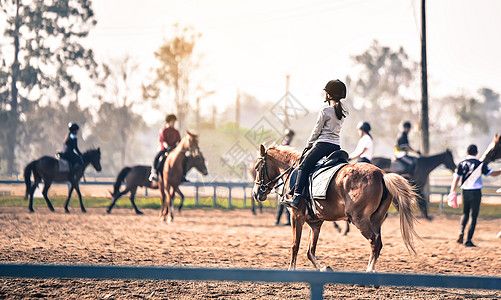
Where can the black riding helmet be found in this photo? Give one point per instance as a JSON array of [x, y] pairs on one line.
[[289, 132], [336, 89], [364, 126], [73, 126]]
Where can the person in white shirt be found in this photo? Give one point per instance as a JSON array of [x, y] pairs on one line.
[[470, 171], [365, 146]]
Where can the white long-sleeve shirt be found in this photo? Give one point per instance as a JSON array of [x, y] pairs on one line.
[[327, 128]]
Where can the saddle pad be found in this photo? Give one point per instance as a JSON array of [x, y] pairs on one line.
[[63, 165], [321, 180]]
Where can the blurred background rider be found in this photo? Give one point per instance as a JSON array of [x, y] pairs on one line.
[[402, 148], [365, 146], [70, 150], [168, 137]]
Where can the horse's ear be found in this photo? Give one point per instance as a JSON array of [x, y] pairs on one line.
[[262, 150]]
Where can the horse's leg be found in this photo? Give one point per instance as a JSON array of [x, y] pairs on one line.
[[347, 229], [423, 205], [337, 227], [178, 191], [372, 233], [133, 200], [312, 246], [172, 195], [163, 196], [32, 191], [253, 207], [46, 187], [115, 198], [70, 191], [297, 229], [77, 188]]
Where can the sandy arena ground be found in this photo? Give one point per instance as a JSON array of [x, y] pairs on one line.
[[227, 239]]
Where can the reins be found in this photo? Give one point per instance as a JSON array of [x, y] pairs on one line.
[[266, 187]]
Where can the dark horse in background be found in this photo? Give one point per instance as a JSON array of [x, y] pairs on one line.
[[138, 176], [46, 168], [419, 177]]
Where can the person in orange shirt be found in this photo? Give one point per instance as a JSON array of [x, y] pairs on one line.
[[168, 137]]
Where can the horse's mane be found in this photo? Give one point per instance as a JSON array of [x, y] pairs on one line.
[[285, 153], [87, 152]]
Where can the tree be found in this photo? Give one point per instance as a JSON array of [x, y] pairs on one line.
[[45, 55], [108, 132], [384, 88], [175, 71], [118, 93]]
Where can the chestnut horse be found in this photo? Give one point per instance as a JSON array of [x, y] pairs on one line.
[[136, 176], [361, 193], [493, 151], [172, 173]]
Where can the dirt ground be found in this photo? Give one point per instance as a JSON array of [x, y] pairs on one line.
[[227, 239]]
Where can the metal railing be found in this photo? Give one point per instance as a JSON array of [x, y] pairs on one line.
[[315, 279]]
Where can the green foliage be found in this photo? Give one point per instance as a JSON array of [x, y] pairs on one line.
[[124, 202]]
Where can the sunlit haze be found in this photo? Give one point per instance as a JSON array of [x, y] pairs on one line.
[[251, 46]]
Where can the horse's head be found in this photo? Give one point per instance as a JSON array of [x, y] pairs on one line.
[[493, 152], [265, 175], [190, 143], [197, 161], [449, 161], [94, 157]]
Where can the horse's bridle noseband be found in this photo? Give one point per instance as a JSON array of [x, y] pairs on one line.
[[265, 187]]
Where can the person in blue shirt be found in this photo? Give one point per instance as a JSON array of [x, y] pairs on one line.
[[470, 171]]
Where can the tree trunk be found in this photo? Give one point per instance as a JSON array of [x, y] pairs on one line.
[[13, 118]]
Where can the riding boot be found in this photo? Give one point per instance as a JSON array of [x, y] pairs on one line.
[[293, 201], [72, 174]]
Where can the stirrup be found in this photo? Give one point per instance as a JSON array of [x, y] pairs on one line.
[[292, 202]]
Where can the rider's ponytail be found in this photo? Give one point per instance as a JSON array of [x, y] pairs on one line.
[[340, 109]]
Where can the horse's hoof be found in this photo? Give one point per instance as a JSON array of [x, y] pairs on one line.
[[66, 210], [32, 210], [108, 211], [138, 212], [326, 269]]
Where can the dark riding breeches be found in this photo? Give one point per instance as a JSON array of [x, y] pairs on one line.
[[311, 158]]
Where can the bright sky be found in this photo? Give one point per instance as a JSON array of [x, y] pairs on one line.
[[252, 45]]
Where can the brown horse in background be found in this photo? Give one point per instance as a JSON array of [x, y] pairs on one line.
[[493, 151], [361, 193], [172, 173], [137, 176]]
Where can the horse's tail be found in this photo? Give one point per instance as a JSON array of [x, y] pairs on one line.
[[119, 180], [27, 177], [406, 198]]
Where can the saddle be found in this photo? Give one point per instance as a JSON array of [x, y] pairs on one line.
[[405, 165], [63, 166], [322, 174]]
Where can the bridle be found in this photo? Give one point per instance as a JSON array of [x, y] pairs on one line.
[[267, 187]]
